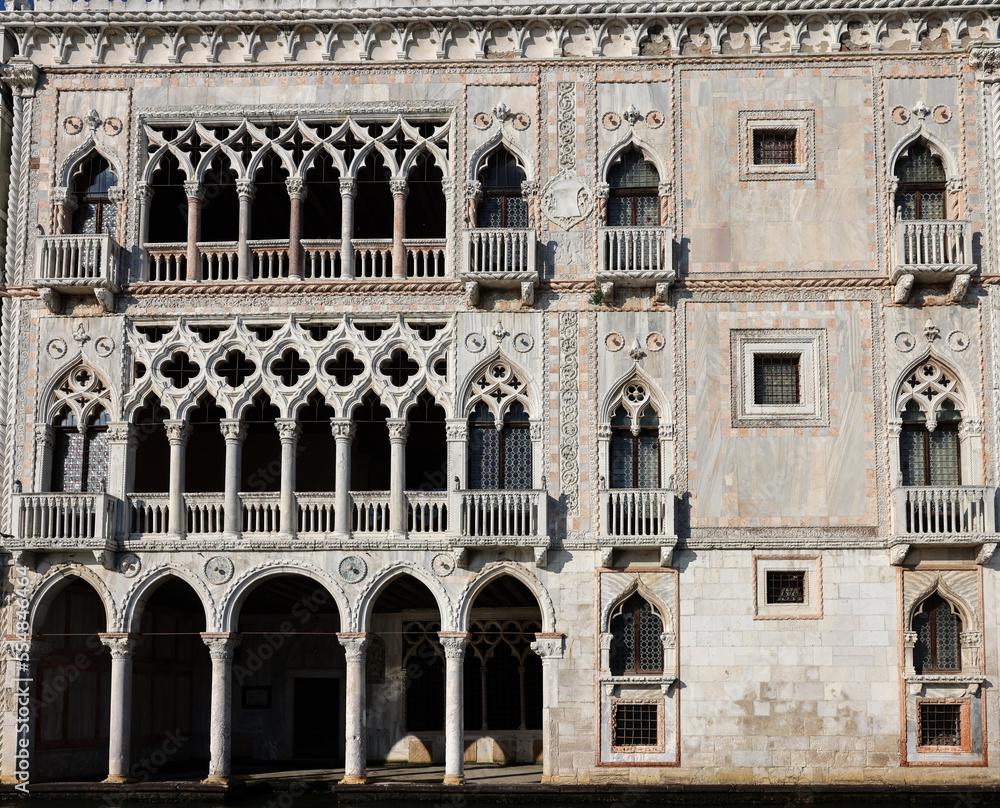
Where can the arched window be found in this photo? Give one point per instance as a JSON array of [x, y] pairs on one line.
[[95, 212], [922, 183], [499, 458], [929, 445], [635, 449], [80, 461], [502, 205], [634, 192], [636, 645], [938, 628]]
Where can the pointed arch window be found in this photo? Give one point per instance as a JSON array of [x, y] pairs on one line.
[[939, 629], [635, 449], [636, 644], [929, 445], [634, 191], [502, 205], [922, 184], [80, 455], [499, 458], [95, 213]]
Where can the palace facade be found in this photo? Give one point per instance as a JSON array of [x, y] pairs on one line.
[[607, 388]]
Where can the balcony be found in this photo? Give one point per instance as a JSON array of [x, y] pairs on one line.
[[635, 257], [931, 251], [77, 265], [500, 258], [637, 517], [65, 522], [504, 519], [959, 515]]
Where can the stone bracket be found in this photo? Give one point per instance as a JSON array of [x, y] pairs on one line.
[[541, 556], [667, 554], [461, 555], [607, 556], [986, 553], [897, 554]]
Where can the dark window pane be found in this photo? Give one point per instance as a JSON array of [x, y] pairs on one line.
[[774, 147], [636, 724], [776, 379]]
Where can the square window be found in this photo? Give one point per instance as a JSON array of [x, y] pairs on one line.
[[786, 586], [943, 725], [636, 725], [772, 147], [776, 379], [777, 144]]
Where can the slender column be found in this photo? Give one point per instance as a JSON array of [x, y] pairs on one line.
[[454, 643], [343, 432], [450, 185], [122, 441], [288, 431], [121, 647], [195, 197], [551, 648], [602, 191], [457, 435], [398, 427], [355, 764], [221, 647], [178, 433], [144, 196], [45, 441], [399, 190], [296, 193], [246, 191], [63, 205], [348, 190], [234, 431]]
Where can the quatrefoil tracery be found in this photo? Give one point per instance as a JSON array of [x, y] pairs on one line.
[[929, 386], [83, 391], [498, 386]]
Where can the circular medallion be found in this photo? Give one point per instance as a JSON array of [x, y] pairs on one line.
[[73, 125], [614, 342], [523, 342], [941, 113], [443, 565], [655, 341], [104, 346], [352, 569], [611, 120], [958, 340], [56, 348], [483, 120], [654, 119], [475, 342], [521, 122], [129, 565], [113, 126], [905, 341], [218, 570], [900, 115]]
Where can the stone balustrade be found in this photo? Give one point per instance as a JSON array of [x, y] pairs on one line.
[[370, 512], [426, 512], [963, 514], [643, 515], [63, 521], [77, 264], [502, 515], [500, 258], [931, 251]]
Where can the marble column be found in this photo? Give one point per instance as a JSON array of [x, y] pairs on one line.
[[288, 431], [246, 191], [551, 648], [296, 193], [355, 764], [221, 647], [454, 643], [122, 442], [178, 433], [45, 441], [121, 647], [348, 190], [399, 190], [144, 196], [398, 428], [63, 205], [457, 435], [234, 431], [343, 432], [195, 196], [602, 192]]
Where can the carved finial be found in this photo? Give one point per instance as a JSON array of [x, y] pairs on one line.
[[93, 120], [502, 112], [80, 334], [499, 331], [632, 115], [931, 331], [636, 351], [921, 110]]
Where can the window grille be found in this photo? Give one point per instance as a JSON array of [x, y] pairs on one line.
[[635, 723], [80, 458], [922, 183], [776, 379], [938, 629], [635, 454], [636, 645], [786, 586], [940, 724], [502, 205], [95, 213], [499, 460], [634, 192], [774, 147]]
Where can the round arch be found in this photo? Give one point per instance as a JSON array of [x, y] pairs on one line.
[[366, 603], [498, 569], [134, 602], [57, 579]]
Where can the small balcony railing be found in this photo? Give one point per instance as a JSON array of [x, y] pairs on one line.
[[68, 262], [498, 515], [644, 515], [219, 260], [496, 252], [635, 251], [426, 512], [369, 512], [921, 243], [965, 512], [149, 515], [166, 262], [204, 513], [261, 512], [316, 513], [64, 521]]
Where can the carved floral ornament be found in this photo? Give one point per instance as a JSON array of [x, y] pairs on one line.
[[21, 76]]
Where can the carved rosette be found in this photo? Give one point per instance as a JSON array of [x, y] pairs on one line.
[[120, 645], [221, 646], [354, 647], [233, 430]]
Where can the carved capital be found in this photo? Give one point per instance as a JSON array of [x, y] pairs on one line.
[[45, 435], [457, 429], [665, 188], [399, 187], [343, 429], [246, 190], [606, 639], [454, 643], [971, 639], [63, 196], [549, 646], [120, 645], [398, 429], [221, 645], [529, 189], [178, 432], [296, 187], [909, 639], [669, 641], [895, 427], [194, 190], [354, 646], [985, 60], [666, 431], [121, 432], [21, 76], [143, 193], [288, 429], [348, 186], [602, 190], [233, 430], [986, 553]]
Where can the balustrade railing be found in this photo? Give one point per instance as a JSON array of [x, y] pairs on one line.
[[965, 510], [270, 260], [503, 514], [369, 512], [219, 260], [425, 258], [204, 513], [932, 242], [316, 513], [634, 249], [426, 511], [64, 517], [637, 513], [77, 260], [166, 262], [149, 514], [493, 250], [372, 258], [261, 513], [321, 260]]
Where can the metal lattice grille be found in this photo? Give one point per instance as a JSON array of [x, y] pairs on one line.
[[484, 457], [776, 379], [650, 644], [503, 211], [940, 724], [944, 457], [636, 645], [786, 586], [517, 458], [635, 723], [929, 458], [97, 461], [622, 459], [68, 461], [931, 205], [774, 147], [632, 170], [648, 462], [635, 210], [921, 166], [938, 629]]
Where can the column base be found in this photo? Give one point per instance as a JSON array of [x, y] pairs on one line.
[[212, 780], [175, 536], [452, 780], [354, 780], [119, 779], [397, 535]]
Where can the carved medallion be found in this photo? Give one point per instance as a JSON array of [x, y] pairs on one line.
[[614, 342], [521, 122], [113, 126], [443, 565], [129, 565], [900, 115], [904, 341], [73, 124], [104, 346], [566, 202], [352, 569], [56, 348], [941, 114], [475, 342], [611, 121], [483, 120], [958, 340], [654, 119], [523, 342], [655, 341], [219, 570]]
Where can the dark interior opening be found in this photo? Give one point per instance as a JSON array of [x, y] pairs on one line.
[[425, 202], [370, 447], [272, 208], [220, 209], [322, 208], [261, 467], [317, 449], [373, 216], [168, 210], [426, 447], [152, 453]]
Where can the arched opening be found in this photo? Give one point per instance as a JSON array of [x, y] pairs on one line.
[[220, 208], [322, 210], [635, 448], [633, 191], [95, 212], [288, 675], [426, 446], [373, 207], [500, 458], [168, 212], [171, 681], [152, 453], [315, 467], [503, 204], [636, 645], [261, 467], [425, 201], [72, 687], [272, 207], [929, 443], [938, 627], [80, 453], [502, 675], [920, 193], [205, 459], [370, 447]]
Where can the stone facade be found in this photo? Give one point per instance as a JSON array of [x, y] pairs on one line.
[[349, 378]]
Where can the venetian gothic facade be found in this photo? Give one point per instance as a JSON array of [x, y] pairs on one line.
[[593, 387]]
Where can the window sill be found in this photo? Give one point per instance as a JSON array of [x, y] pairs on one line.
[[915, 683], [662, 680]]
